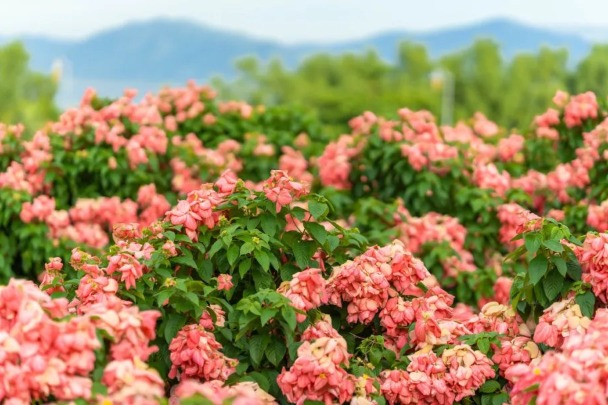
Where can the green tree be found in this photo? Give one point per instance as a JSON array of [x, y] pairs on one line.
[[591, 74], [25, 96]]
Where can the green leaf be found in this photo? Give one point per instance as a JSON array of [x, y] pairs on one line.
[[99, 388], [552, 285], [483, 345], [193, 298], [574, 269], [317, 209], [262, 258], [553, 245], [257, 346], [215, 248], [332, 242], [303, 251], [317, 231], [174, 323], [490, 386], [537, 269], [587, 303], [196, 400], [275, 352], [500, 399], [244, 266], [262, 279], [233, 254], [267, 314], [532, 242], [247, 248], [289, 314], [186, 259], [560, 264], [164, 295], [269, 224], [375, 356], [261, 379]]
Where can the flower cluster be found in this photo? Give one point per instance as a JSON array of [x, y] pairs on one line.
[[577, 374], [196, 354], [456, 374], [317, 374], [43, 357]]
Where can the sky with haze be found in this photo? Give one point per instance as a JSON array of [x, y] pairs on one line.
[[292, 21]]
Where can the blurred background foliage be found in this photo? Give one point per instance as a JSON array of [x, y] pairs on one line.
[[25, 96], [339, 87]]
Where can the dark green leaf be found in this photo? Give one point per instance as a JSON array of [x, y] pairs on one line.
[[244, 267], [317, 209], [247, 248], [269, 224], [289, 314], [332, 242], [174, 323], [233, 254], [275, 352], [303, 251], [215, 248], [560, 263], [262, 258], [587, 303], [537, 269], [490, 386], [317, 231], [257, 346], [553, 245], [186, 259], [267, 314], [574, 269], [500, 399], [552, 284], [164, 295], [483, 345], [532, 242]]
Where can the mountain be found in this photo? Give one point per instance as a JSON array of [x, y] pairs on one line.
[[151, 53]]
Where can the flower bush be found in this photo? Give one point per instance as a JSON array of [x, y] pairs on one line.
[[181, 249]]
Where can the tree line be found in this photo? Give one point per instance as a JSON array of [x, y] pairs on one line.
[[338, 87]]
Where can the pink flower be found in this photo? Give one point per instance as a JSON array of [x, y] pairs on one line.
[[132, 382], [224, 282], [321, 328], [316, 374], [558, 321], [467, 370], [196, 353], [169, 248], [183, 215], [594, 261], [519, 350], [130, 268], [207, 321], [579, 108], [306, 290], [281, 189], [242, 393], [334, 165]]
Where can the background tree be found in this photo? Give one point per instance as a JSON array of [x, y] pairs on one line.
[[25, 96]]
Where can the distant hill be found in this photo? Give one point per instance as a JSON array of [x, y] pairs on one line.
[[151, 53]]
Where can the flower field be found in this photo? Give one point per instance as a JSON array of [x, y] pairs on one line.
[[185, 250]]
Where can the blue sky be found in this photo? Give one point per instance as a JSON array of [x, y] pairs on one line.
[[292, 20]]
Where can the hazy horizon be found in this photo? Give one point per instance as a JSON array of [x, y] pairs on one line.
[[291, 21]]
